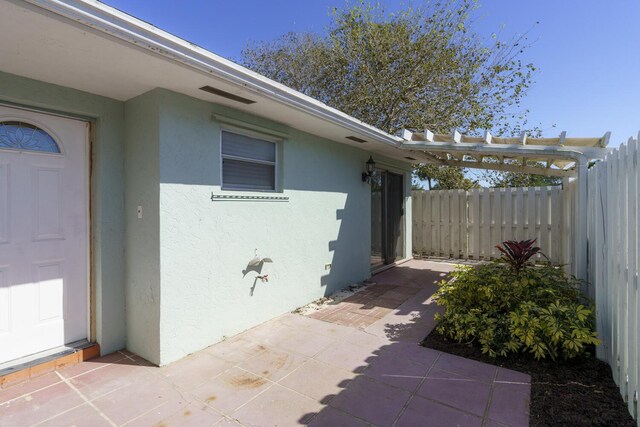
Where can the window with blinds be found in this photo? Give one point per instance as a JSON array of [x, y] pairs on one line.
[[248, 163]]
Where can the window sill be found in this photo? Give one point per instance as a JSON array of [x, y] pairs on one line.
[[249, 197]]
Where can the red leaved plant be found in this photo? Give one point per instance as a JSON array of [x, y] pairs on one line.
[[517, 254]]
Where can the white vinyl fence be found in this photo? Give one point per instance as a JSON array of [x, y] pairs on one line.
[[469, 224], [613, 262]]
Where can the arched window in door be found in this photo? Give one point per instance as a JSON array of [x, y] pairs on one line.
[[23, 136]]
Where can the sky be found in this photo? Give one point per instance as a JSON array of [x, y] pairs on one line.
[[587, 52]]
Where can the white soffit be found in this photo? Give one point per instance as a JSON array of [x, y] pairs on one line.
[[92, 47]]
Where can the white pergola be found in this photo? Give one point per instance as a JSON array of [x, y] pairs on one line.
[[561, 156]]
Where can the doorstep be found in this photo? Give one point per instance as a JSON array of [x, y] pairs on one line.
[[50, 361]]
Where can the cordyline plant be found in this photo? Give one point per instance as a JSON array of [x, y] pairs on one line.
[[518, 253]]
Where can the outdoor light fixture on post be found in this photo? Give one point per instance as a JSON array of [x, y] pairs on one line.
[[371, 166]]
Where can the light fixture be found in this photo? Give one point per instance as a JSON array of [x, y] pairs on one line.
[[371, 166]]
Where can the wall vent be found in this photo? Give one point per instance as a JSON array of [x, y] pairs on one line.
[[356, 139], [227, 95]]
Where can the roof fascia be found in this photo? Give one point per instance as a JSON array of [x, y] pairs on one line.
[[115, 23]]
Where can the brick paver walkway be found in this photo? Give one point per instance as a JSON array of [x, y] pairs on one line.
[[356, 364]]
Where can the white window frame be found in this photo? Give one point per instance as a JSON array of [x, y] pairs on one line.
[[257, 135]]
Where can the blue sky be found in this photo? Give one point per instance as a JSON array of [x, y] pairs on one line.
[[587, 52]]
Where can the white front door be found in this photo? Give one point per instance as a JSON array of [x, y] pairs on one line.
[[44, 232]]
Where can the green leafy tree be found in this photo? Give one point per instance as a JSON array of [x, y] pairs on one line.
[[443, 177], [516, 179], [418, 68]]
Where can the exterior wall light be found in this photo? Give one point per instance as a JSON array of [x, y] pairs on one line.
[[371, 166]]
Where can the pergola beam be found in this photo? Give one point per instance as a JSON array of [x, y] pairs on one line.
[[537, 151], [504, 167], [430, 158]]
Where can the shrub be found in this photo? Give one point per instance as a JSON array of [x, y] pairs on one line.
[[518, 253], [539, 310]]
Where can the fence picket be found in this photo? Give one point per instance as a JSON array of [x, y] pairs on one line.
[[468, 224], [533, 214], [544, 218], [416, 217], [622, 265], [611, 209], [475, 250], [508, 231], [485, 217], [436, 206], [426, 222], [455, 223], [631, 237], [463, 221], [519, 214], [556, 232], [496, 235], [445, 237], [636, 308]]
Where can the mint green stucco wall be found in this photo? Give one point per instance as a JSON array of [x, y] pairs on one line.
[[107, 191], [142, 179], [205, 245], [181, 265]]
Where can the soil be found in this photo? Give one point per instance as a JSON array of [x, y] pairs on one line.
[[576, 392]]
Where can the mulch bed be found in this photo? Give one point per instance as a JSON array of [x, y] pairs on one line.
[[578, 392]]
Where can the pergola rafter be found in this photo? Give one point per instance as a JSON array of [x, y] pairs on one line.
[[562, 157], [557, 156]]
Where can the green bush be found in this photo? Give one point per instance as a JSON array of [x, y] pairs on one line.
[[538, 310]]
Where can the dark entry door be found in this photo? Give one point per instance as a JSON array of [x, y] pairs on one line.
[[395, 216], [387, 214]]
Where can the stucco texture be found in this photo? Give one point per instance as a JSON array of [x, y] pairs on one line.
[[142, 238], [206, 292], [176, 280]]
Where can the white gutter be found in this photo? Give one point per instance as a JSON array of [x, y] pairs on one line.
[[125, 27]]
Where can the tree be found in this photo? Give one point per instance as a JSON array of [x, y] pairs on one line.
[[516, 179], [443, 177], [419, 68]]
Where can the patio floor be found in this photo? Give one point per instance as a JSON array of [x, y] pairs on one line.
[[355, 363]]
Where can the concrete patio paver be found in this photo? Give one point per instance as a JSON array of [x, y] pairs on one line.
[[357, 364], [318, 380], [424, 412], [371, 401], [278, 406]]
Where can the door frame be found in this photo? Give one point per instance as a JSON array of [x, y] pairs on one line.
[[88, 173], [384, 198], [387, 218]]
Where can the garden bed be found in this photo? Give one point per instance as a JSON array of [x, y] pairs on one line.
[[577, 392]]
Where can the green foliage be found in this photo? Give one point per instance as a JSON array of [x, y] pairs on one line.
[[443, 177], [540, 311], [516, 179], [419, 68]]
